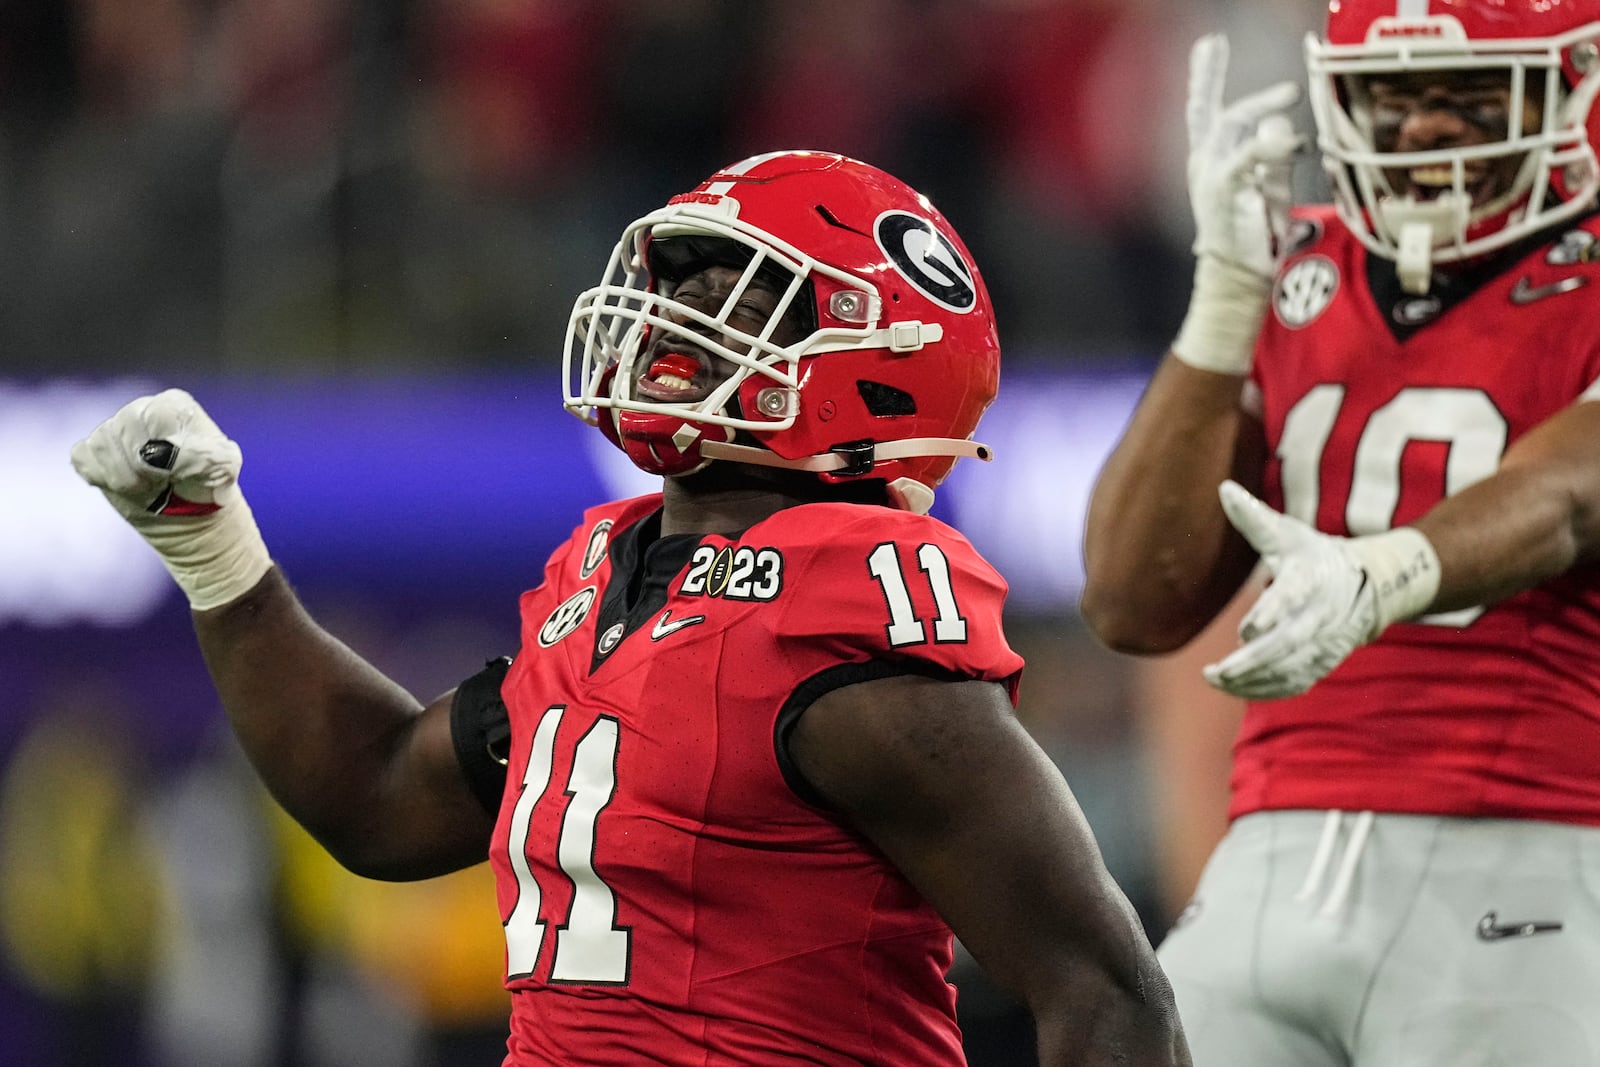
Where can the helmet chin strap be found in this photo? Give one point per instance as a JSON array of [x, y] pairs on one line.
[[906, 448], [907, 494], [1415, 222]]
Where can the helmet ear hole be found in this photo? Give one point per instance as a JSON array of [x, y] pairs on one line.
[[885, 401]]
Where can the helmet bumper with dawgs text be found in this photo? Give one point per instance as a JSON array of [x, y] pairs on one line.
[[898, 355]]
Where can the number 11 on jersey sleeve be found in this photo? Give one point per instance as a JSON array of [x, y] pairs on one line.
[[905, 628]]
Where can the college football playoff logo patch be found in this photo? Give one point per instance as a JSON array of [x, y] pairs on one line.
[[742, 573], [927, 259], [1304, 291], [1574, 247]]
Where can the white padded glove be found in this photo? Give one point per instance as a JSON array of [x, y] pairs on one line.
[[1329, 595], [167, 469], [1240, 157]]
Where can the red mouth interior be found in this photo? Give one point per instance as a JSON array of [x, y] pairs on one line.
[[676, 364]]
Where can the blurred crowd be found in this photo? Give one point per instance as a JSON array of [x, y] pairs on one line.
[[243, 185]]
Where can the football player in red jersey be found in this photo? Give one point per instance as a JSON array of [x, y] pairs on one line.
[[756, 756], [1393, 393]]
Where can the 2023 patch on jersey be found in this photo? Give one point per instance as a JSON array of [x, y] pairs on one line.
[[669, 896], [1376, 405]]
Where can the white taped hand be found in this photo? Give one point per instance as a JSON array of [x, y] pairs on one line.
[[169, 470], [1329, 595], [1240, 159]]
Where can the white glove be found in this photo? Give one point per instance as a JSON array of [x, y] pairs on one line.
[[1240, 157], [1329, 595], [167, 469]]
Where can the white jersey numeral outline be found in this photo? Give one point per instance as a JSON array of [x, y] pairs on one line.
[[590, 947], [1466, 420], [949, 626]]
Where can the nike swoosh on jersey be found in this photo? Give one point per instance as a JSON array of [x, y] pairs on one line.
[[1525, 292], [667, 625], [1491, 929]]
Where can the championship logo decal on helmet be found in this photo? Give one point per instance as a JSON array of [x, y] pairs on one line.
[[927, 259]]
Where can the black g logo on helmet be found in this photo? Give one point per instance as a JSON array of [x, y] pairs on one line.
[[927, 259]]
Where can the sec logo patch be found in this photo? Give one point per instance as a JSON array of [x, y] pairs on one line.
[[1304, 291], [567, 617]]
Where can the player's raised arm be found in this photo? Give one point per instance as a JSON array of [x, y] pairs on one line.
[[1161, 560], [352, 756], [942, 777]]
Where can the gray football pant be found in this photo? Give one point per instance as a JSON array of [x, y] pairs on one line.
[[1320, 939]]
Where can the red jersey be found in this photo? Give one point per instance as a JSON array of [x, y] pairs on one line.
[[671, 893], [1377, 404]]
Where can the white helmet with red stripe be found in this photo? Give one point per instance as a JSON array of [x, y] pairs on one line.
[[898, 355], [1548, 51]]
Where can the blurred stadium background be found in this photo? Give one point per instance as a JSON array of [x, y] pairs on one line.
[[354, 229]]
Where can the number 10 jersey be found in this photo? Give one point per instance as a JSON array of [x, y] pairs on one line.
[[1377, 404]]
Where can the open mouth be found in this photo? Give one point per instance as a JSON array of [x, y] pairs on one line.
[[1431, 182], [670, 378]]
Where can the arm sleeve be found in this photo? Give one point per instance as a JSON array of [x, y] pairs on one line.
[[480, 726]]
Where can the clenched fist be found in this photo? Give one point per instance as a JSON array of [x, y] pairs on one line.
[[171, 472]]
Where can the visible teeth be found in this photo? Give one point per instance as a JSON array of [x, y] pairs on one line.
[[1432, 176], [1443, 177], [672, 381]]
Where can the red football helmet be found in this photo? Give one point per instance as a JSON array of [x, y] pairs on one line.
[[1549, 51], [899, 356]]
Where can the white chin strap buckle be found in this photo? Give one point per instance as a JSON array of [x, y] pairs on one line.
[[1414, 261], [1418, 225]]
